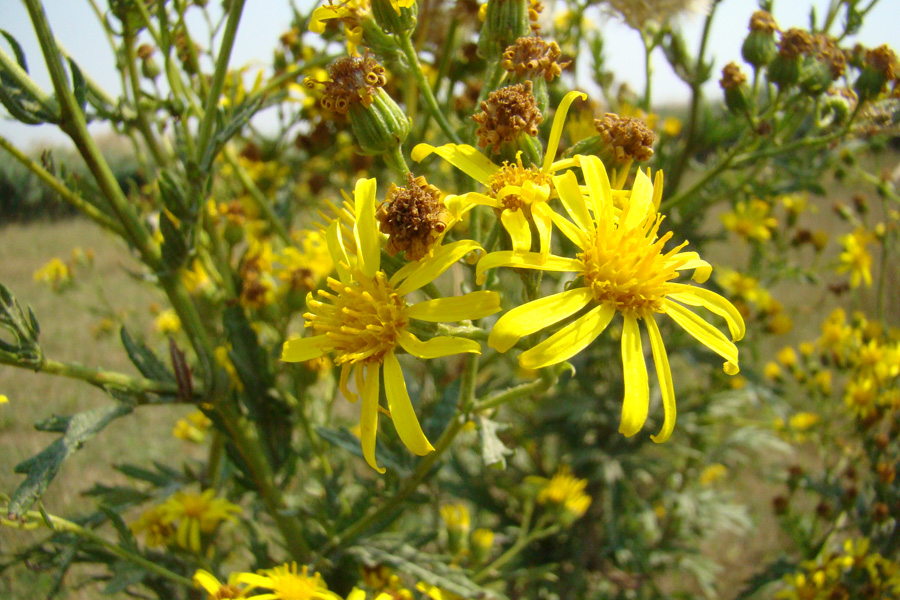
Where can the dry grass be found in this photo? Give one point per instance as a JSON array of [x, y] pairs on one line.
[[68, 321]]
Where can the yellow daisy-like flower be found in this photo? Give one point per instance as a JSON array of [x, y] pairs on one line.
[[751, 221], [565, 491], [3, 399], [196, 514], [156, 529], [621, 268], [520, 193], [219, 591], [287, 583], [167, 322], [856, 258], [362, 318], [350, 12]]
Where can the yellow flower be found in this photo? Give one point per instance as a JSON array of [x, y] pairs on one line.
[[364, 316], [307, 265], [803, 421], [520, 193], [772, 371], [349, 12], [196, 514], [217, 590], [672, 126], [156, 529], [621, 268], [860, 396], [192, 428], [55, 272], [167, 322], [564, 491], [712, 474], [787, 357], [751, 221], [3, 399], [856, 258], [287, 583]]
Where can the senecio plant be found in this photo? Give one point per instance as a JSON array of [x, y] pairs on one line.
[[425, 299]]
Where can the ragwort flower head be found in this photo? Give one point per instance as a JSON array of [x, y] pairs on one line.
[[506, 114], [354, 79], [196, 514], [287, 583], [520, 193], [751, 221], [364, 316], [621, 268], [413, 217], [534, 57], [856, 258]]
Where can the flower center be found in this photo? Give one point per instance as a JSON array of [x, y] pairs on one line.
[[364, 319], [627, 269], [516, 174]]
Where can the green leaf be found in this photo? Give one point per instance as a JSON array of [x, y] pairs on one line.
[[493, 450], [174, 248], [144, 359], [26, 350], [239, 117], [126, 537], [43, 467], [349, 442], [17, 49], [162, 477], [79, 86]]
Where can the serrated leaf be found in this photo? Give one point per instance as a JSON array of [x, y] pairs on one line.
[[24, 329], [493, 450], [126, 537], [43, 467], [144, 359]]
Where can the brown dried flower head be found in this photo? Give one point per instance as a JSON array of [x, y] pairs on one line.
[[353, 79], [795, 42], [825, 49], [534, 57], [506, 114], [732, 77], [413, 217], [884, 60], [627, 138], [763, 21]]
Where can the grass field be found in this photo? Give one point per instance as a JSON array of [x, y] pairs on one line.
[[69, 323]]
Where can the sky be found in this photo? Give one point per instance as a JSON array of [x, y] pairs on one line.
[[75, 25]]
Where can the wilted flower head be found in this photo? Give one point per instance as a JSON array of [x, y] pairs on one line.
[[353, 79], [505, 115], [534, 57], [414, 218], [628, 138]]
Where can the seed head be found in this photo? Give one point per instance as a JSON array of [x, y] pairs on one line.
[[763, 21], [353, 79], [506, 114], [413, 217], [534, 57], [732, 77], [628, 138], [795, 42]]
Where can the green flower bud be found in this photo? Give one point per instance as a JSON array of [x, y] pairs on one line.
[[393, 16], [149, 67], [734, 83], [380, 127], [784, 71], [759, 48], [504, 22], [881, 66]]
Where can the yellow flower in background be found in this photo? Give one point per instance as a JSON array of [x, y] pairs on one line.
[[712, 474], [3, 399], [287, 583], [56, 273], [564, 491], [855, 258], [803, 421], [672, 126], [157, 530], [861, 396], [307, 264], [520, 193], [192, 428], [620, 268], [362, 318], [167, 322], [751, 221], [196, 514], [349, 12]]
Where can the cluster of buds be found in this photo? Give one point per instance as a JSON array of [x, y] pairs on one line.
[[504, 22], [536, 60]]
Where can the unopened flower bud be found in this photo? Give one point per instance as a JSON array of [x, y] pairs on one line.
[[456, 519], [504, 22], [784, 70], [149, 67], [481, 543], [880, 67], [759, 48], [734, 83]]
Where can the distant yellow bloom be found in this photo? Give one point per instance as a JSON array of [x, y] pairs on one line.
[[167, 322], [521, 193], [620, 268], [217, 590], [566, 492], [855, 258], [3, 399], [157, 530], [787, 357], [712, 474], [55, 272], [672, 126], [196, 514], [772, 371], [823, 381], [287, 583], [192, 428], [803, 421], [861, 396], [364, 316], [751, 221]]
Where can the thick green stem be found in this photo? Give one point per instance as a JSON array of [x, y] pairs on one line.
[[57, 186], [210, 107], [430, 101], [12, 68], [513, 551], [58, 525]]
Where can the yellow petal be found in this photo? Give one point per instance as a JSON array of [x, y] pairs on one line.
[[324, 13], [436, 347], [713, 302], [338, 252], [664, 375], [573, 200], [702, 269], [370, 384], [429, 269], [405, 420], [706, 334], [532, 317], [526, 260], [540, 212], [476, 199], [345, 389], [641, 203], [556, 130], [473, 305], [365, 229], [307, 348], [207, 581], [464, 157], [517, 227], [637, 390], [569, 229], [568, 341], [598, 185], [657, 189]]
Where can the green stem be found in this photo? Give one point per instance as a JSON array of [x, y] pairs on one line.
[[98, 377], [142, 123], [265, 207], [60, 525], [430, 101], [707, 177], [514, 550], [648, 70], [12, 69], [211, 106], [57, 186], [538, 386]]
